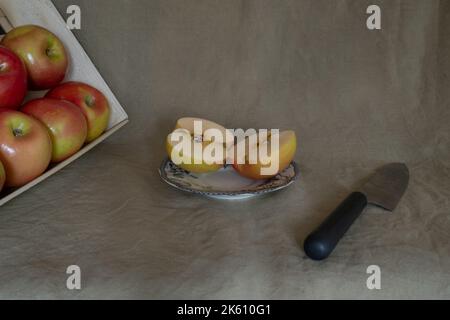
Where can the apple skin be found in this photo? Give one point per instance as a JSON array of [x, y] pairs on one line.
[[13, 79], [92, 103], [42, 52], [2, 176], [66, 124], [25, 147], [287, 150]]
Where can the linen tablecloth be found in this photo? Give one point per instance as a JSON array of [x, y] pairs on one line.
[[356, 98]]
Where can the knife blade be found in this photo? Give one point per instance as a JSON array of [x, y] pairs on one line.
[[384, 189]]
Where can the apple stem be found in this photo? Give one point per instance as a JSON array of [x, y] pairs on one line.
[[17, 132], [49, 52], [89, 101]]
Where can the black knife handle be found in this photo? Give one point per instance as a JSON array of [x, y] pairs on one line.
[[323, 240]]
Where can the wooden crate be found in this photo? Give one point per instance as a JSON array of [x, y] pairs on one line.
[[43, 13]]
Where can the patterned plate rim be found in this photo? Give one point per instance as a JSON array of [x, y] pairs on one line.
[[162, 173]]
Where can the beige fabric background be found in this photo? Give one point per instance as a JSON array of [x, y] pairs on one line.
[[357, 99]]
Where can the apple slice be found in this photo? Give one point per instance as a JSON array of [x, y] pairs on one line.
[[193, 161], [199, 141], [287, 150], [247, 145]]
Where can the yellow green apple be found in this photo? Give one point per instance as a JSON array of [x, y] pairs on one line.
[[92, 103], [65, 122]]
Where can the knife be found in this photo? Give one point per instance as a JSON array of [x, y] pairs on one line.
[[384, 189]]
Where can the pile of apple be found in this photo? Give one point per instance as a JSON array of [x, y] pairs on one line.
[[248, 169], [49, 129]]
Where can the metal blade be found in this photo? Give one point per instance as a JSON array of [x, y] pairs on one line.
[[387, 186]]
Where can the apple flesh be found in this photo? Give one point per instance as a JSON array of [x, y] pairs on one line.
[[66, 124], [194, 162], [42, 52], [287, 150], [92, 102], [25, 147], [188, 123], [13, 80], [2, 176]]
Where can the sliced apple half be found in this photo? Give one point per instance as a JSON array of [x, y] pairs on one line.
[[192, 143], [268, 168], [246, 144]]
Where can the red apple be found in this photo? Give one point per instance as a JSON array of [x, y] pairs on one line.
[[13, 79], [92, 102], [2, 176], [42, 52], [25, 147], [65, 122]]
